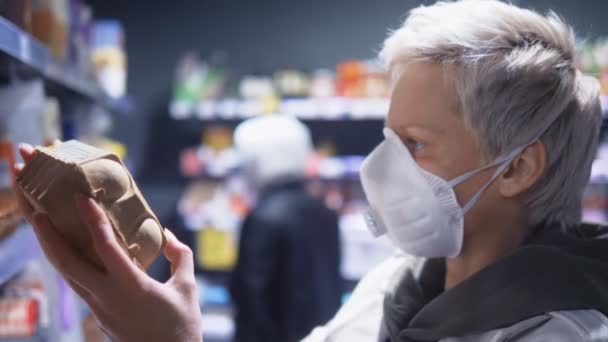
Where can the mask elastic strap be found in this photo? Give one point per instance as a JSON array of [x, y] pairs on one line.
[[462, 178], [505, 163], [475, 198], [509, 157]]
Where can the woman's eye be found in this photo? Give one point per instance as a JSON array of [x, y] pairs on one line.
[[413, 145]]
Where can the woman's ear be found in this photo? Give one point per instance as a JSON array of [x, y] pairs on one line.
[[525, 170]]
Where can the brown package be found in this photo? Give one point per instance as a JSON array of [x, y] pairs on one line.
[[10, 215], [56, 174]]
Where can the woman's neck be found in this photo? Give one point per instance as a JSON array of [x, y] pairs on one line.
[[483, 247]]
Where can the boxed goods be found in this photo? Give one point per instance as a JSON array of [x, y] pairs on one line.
[[55, 175]]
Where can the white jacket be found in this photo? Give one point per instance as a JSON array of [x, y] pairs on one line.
[[360, 318]]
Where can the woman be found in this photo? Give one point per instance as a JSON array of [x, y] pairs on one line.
[[489, 143]]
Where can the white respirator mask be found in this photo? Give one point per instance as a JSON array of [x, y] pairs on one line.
[[416, 209]]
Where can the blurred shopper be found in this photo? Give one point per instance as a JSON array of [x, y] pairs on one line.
[[490, 138], [287, 277]]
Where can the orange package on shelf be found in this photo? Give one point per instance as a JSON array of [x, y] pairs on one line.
[[350, 79], [49, 25]]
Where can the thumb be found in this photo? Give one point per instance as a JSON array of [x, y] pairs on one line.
[[27, 152], [180, 256]]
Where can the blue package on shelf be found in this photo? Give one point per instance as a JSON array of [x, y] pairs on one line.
[[107, 33], [17, 251], [216, 295]]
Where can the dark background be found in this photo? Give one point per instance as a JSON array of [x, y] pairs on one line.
[[258, 36]]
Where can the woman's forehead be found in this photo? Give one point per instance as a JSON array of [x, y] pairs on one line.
[[423, 96]]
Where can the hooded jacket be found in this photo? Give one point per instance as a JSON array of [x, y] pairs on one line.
[[287, 277], [553, 288]]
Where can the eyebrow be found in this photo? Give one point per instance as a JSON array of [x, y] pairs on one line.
[[419, 126]]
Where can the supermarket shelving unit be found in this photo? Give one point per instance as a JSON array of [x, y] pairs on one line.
[[16, 251], [22, 57]]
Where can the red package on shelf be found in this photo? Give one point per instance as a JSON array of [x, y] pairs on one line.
[[18, 317]]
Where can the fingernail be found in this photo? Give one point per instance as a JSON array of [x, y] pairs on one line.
[[24, 146], [169, 233]]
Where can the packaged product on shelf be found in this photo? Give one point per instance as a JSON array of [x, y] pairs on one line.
[[55, 175], [218, 314], [592, 58], [18, 11], [51, 121], [214, 211], [93, 125], [334, 198], [191, 164], [292, 83], [18, 318], [189, 80], [352, 166], [216, 249], [22, 105], [375, 81], [260, 94], [213, 83], [42, 306], [216, 241], [10, 214], [595, 203], [24, 305], [109, 57], [50, 25], [350, 78], [217, 137], [79, 49], [332, 168], [115, 147], [595, 197], [323, 84]]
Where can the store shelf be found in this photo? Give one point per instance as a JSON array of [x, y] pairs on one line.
[[307, 109], [35, 58], [16, 251], [32, 54]]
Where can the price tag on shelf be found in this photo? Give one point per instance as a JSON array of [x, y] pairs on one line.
[[25, 48]]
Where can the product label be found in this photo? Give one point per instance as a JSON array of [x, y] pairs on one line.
[[77, 152]]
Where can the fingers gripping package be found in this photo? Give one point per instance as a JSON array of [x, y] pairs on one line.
[[56, 174]]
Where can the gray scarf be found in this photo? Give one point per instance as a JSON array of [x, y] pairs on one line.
[[554, 270]]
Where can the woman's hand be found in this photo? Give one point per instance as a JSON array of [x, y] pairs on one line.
[[128, 304]]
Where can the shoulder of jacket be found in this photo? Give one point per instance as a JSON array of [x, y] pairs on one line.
[[384, 277], [592, 325], [360, 317], [557, 326], [571, 325]]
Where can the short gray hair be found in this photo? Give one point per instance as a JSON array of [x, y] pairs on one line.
[[514, 72], [274, 147]]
